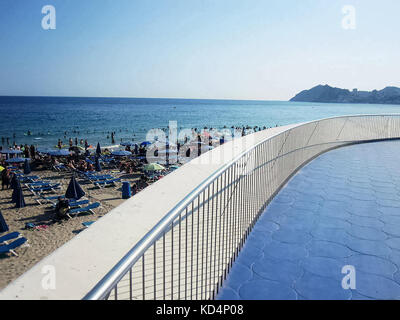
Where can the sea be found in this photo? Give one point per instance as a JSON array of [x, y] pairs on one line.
[[41, 121]]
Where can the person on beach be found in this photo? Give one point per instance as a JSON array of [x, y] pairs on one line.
[[199, 145], [62, 208], [71, 165], [5, 178], [33, 151], [90, 167], [134, 188], [27, 151], [55, 162], [82, 166]]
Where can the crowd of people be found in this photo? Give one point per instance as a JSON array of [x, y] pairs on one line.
[[78, 160]]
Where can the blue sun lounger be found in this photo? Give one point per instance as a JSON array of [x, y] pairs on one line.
[[87, 224], [78, 203], [10, 236], [105, 183], [84, 174], [36, 184], [38, 190], [60, 167], [75, 203], [28, 179], [107, 159], [102, 177], [9, 248], [88, 208], [51, 199]]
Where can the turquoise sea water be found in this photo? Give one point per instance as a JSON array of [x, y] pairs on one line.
[[48, 118]]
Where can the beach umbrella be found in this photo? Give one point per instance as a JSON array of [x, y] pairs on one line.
[[97, 165], [74, 190], [17, 160], [19, 197], [27, 167], [127, 143], [59, 153], [153, 167], [43, 150], [121, 153], [145, 143], [3, 224], [98, 149], [10, 151]]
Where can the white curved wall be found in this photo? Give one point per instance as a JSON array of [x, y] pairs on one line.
[[82, 262]]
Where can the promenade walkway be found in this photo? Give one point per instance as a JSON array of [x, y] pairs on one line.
[[341, 209]]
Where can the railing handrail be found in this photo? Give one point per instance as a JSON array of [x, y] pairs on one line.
[[102, 288]]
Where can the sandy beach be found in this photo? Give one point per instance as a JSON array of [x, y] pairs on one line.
[[51, 234]]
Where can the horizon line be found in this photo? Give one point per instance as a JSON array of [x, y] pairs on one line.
[[102, 97]]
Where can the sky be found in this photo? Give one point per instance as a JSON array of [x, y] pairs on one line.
[[200, 49]]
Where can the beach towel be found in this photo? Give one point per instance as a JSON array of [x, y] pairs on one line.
[[31, 225], [41, 227]]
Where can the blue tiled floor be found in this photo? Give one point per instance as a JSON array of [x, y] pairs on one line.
[[341, 209]]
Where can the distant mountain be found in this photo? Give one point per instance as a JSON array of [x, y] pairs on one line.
[[389, 95]]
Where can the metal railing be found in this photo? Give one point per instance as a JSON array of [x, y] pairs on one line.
[[189, 253]]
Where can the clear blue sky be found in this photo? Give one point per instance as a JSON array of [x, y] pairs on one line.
[[238, 49]]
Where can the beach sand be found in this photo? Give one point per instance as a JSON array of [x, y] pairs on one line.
[[41, 242]]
